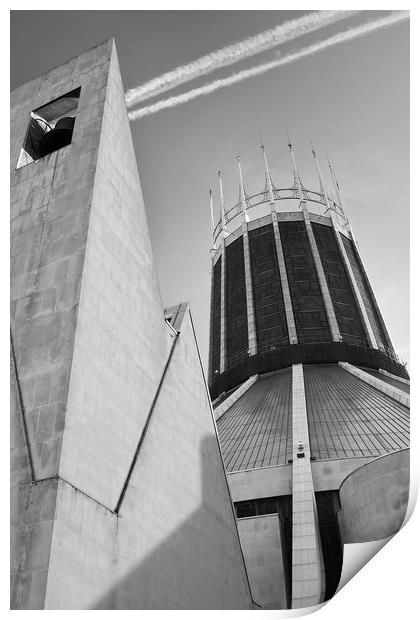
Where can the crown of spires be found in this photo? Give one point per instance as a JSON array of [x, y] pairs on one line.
[[270, 188]]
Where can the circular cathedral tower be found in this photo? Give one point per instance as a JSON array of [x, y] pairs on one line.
[[306, 386]]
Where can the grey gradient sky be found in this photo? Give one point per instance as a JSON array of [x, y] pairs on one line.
[[352, 100]]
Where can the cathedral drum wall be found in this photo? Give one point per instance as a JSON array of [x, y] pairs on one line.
[[374, 498]]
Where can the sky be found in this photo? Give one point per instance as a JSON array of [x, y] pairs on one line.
[[351, 100]]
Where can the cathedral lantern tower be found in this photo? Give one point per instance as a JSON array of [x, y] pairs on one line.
[[306, 386], [295, 287]]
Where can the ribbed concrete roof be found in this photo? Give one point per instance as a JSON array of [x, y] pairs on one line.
[[257, 430], [346, 418]]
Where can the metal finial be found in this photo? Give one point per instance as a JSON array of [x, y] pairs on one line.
[[337, 189], [268, 176], [222, 202], [321, 183], [212, 215], [295, 171], [321, 180], [241, 188]]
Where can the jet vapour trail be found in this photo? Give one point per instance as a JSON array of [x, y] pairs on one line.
[[341, 37], [231, 54]]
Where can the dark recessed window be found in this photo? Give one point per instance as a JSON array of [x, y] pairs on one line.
[[267, 507], [263, 506], [245, 509], [50, 128]]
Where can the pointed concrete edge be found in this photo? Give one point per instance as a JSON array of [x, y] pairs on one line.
[[396, 377], [175, 316]]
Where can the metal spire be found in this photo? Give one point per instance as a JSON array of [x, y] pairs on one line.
[[242, 190], [337, 189], [222, 204], [321, 180], [212, 218], [295, 170], [267, 173]]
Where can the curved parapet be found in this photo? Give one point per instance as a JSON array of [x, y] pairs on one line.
[[374, 498]]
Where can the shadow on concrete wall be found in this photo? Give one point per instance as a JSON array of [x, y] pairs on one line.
[[198, 566]]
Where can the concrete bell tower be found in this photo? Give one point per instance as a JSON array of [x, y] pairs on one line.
[[119, 495]]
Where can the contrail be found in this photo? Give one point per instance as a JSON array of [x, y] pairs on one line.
[[231, 54], [337, 39]]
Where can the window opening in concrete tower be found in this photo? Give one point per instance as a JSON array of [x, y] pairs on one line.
[[50, 128]]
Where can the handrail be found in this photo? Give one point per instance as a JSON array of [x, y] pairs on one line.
[[291, 193]]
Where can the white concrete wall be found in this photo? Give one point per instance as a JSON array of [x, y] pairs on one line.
[[178, 546], [260, 483], [174, 544], [121, 340], [328, 475], [263, 550], [277, 480], [82, 550]]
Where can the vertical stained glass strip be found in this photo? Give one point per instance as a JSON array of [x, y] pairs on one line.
[[270, 317], [215, 316], [341, 292], [308, 306], [236, 310]]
